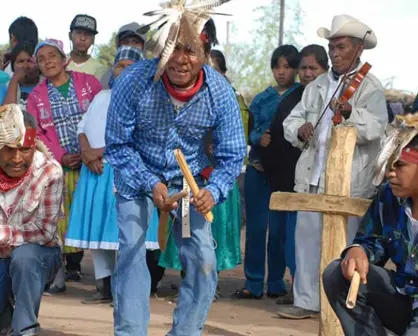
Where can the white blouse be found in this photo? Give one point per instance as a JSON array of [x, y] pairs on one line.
[[93, 123]]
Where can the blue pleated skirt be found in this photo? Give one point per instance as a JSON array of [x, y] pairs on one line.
[[93, 215]]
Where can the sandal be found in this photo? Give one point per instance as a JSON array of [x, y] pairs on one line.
[[245, 294]]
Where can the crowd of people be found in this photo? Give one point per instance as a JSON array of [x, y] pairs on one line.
[[87, 163]]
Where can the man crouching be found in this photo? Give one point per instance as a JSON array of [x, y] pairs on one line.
[[389, 231], [31, 187]]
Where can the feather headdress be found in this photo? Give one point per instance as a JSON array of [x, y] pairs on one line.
[[12, 126], [178, 22], [398, 135]]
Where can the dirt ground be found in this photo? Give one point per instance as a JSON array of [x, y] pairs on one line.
[[65, 315]]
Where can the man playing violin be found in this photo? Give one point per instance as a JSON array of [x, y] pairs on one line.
[[309, 125]]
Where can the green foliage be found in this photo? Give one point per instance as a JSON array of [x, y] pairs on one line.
[[249, 63], [107, 52]]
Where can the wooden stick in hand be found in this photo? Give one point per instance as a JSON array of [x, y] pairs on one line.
[[190, 179], [350, 303], [163, 222]]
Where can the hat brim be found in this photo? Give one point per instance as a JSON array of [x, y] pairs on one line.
[[349, 31], [94, 32], [126, 34]]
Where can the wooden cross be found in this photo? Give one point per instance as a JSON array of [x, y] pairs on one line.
[[336, 205]]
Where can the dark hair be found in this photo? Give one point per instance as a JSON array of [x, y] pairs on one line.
[[21, 46], [29, 120], [210, 30], [24, 29], [218, 57], [289, 52], [318, 52]]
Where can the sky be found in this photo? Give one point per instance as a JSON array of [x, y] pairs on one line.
[[392, 21]]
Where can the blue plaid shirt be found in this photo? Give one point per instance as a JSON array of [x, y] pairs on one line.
[[384, 234], [67, 113], [143, 130]]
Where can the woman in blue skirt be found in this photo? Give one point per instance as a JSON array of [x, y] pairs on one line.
[[93, 213]]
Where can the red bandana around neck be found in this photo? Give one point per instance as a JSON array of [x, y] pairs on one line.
[[183, 96], [8, 183]]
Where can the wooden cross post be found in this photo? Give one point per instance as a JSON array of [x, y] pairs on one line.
[[336, 205]]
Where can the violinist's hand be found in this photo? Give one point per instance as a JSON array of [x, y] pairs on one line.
[[345, 108]]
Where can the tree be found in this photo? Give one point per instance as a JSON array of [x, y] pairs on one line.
[[107, 52], [249, 63]]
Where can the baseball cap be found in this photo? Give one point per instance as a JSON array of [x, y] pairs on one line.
[[84, 22], [130, 30]]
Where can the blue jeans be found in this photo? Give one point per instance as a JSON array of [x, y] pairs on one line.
[[25, 273], [131, 280], [279, 225]]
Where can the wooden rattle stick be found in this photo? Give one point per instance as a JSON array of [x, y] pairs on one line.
[[350, 303], [163, 222], [190, 179]]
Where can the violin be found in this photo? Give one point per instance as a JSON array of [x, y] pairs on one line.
[[349, 91]]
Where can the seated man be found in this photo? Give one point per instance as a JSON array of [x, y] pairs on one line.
[[31, 187], [386, 299]]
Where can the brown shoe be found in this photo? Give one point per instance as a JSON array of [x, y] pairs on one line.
[[296, 313]]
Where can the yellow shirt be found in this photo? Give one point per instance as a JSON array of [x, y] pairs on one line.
[[91, 66]]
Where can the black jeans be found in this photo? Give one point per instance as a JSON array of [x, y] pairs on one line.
[[73, 261], [379, 305]]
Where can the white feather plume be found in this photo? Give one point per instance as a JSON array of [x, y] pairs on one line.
[[398, 135], [172, 15]]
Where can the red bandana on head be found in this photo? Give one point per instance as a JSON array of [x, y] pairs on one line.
[[410, 155], [8, 183]]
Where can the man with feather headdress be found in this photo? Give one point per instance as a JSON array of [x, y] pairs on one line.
[[388, 231], [158, 106], [31, 188]]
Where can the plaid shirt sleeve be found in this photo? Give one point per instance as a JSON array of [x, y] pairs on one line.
[[41, 226], [121, 124], [370, 233], [230, 147]]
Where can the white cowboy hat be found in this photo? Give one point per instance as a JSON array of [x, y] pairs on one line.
[[348, 26]]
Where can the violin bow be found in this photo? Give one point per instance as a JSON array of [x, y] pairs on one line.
[[339, 84]]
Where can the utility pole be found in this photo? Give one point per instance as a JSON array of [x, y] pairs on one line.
[[282, 12], [228, 29]]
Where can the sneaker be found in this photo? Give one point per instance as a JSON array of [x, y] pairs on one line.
[[296, 313], [74, 276], [6, 331], [98, 298], [245, 294], [53, 290], [286, 299]]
